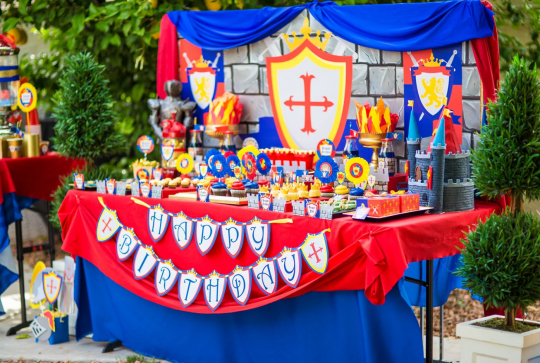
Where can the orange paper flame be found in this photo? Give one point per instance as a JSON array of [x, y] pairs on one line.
[[224, 110]]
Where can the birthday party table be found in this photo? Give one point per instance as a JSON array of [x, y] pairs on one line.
[[360, 290], [24, 181]]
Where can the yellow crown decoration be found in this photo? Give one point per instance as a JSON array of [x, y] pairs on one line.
[[201, 63], [432, 61], [305, 30], [263, 189], [316, 186], [302, 187]]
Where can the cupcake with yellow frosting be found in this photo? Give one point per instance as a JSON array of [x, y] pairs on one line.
[[263, 189], [275, 190], [293, 192], [284, 193], [302, 191], [342, 191], [315, 191], [204, 182]]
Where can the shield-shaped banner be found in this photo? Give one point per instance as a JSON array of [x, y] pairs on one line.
[[126, 243], [78, 180], [182, 229], [202, 80], [166, 276], [52, 283], [206, 233], [158, 220], [111, 186], [203, 170], [167, 151], [265, 276], [290, 267], [214, 290], [240, 285], [188, 288], [232, 235], [258, 235], [266, 202], [310, 92], [433, 85], [108, 225], [315, 252], [144, 262], [312, 208]]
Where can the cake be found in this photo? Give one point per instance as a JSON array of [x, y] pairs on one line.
[[194, 182], [303, 191], [284, 193], [355, 193], [252, 187], [327, 191], [275, 190], [185, 183], [238, 190], [342, 191], [293, 192], [315, 191], [219, 189]]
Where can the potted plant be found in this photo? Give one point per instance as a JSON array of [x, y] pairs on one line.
[[501, 257]]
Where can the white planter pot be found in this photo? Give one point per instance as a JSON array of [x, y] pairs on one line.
[[486, 345]]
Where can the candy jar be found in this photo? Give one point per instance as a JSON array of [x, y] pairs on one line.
[[195, 148], [351, 148], [228, 143]]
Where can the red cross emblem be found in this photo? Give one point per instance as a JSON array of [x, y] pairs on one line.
[[315, 252]]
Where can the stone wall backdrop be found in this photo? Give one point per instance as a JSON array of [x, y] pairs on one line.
[[376, 73]]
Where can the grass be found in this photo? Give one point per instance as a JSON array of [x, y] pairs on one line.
[[498, 324], [139, 358]]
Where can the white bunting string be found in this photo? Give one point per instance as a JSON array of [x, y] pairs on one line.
[[264, 271]]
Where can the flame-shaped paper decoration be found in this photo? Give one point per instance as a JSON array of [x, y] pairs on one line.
[[224, 110], [376, 119]]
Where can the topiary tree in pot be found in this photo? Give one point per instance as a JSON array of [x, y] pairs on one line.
[[85, 120], [507, 157], [501, 257]]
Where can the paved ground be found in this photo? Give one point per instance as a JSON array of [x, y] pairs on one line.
[[87, 350]]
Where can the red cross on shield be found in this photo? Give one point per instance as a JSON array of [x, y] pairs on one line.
[[310, 92], [52, 283], [315, 252]]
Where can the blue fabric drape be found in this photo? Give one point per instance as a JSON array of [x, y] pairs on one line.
[[339, 326], [395, 27]]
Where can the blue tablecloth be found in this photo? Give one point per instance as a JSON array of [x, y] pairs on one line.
[[10, 211], [339, 326]]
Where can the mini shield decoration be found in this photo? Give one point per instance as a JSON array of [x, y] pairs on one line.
[[158, 221], [167, 151], [290, 267], [52, 283], [240, 285], [189, 286], [206, 233], [232, 235], [145, 189], [157, 173], [108, 225], [165, 278], [111, 186], [182, 227], [214, 290], [203, 169], [126, 243], [144, 262], [266, 201], [315, 252], [78, 180], [264, 274], [312, 208], [203, 193], [258, 235]]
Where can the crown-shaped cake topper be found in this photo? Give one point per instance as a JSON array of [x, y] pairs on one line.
[[305, 30], [201, 63], [432, 61]]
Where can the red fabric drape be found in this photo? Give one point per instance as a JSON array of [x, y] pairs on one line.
[[167, 63], [362, 256], [35, 177]]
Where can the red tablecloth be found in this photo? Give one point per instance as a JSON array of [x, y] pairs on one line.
[[368, 256], [34, 177]]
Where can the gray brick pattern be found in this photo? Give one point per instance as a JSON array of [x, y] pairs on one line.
[[457, 167], [437, 190], [458, 196]]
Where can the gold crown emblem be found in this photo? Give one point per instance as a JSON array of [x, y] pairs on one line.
[[432, 61], [305, 30], [263, 189], [201, 63]]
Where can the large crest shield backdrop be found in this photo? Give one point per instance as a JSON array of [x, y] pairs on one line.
[[310, 91]]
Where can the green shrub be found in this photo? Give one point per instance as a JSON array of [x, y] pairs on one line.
[[501, 262]]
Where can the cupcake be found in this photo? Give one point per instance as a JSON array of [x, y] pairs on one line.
[[219, 189], [302, 191], [238, 190], [214, 181], [244, 181], [315, 191], [263, 183], [263, 189], [185, 183], [284, 193], [327, 191], [342, 190], [293, 192], [252, 187], [203, 183], [194, 182], [355, 193], [275, 190]]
